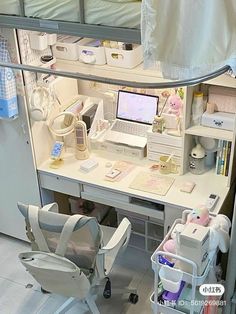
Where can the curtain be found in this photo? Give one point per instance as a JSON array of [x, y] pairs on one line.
[[188, 38]]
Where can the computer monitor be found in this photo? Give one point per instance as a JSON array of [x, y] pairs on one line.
[[136, 107]]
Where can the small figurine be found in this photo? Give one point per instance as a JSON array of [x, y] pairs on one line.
[[158, 124]]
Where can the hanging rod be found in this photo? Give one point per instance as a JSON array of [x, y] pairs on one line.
[[100, 79]]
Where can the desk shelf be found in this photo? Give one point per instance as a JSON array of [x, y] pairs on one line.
[[200, 130]]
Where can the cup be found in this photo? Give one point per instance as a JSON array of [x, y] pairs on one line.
[[167, 165]]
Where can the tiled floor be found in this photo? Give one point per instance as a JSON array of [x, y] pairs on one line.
[[133, 268]]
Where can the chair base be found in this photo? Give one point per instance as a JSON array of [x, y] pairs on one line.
[[89, 302]]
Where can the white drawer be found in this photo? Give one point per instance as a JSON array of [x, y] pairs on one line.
[[59, 184], [103, 193], [164, 149], [164, 139], [156, 157]]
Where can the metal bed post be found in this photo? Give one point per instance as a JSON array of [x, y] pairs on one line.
[[81, 11], [231, 269], [22, 8]]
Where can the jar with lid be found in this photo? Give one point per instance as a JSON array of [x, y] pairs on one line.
[[197, 108], [197, 160], [158, 124]]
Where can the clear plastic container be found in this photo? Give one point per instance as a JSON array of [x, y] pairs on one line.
[[197, 108]]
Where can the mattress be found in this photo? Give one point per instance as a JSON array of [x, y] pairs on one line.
[[117, 14]]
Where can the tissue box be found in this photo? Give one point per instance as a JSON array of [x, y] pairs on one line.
[[194, 245], [219, 120]]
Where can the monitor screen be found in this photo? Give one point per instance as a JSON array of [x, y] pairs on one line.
[[136, 107]]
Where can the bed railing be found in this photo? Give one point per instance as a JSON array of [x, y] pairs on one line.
[[108, 80], [70, 28]]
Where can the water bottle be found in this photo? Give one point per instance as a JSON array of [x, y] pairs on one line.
[[197, 108]]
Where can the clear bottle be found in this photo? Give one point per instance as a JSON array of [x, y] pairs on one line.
[[197, 108]]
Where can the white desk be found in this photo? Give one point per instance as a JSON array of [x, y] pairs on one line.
[[70, 180]]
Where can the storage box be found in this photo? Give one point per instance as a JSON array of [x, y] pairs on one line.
[[164, 139], [124, 58], [194, 245], [66, 47], [224, 98], [219, 120], [38, 41], [91, 51]]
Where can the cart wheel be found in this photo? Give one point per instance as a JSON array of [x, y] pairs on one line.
[[133, 298]]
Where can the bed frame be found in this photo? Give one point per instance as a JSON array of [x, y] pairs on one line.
[[71, 28], [87, 30], [119, 34]]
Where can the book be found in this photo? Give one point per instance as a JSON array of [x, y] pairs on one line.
[[222, 162], [218, 156], [228, 159], [225, 157]]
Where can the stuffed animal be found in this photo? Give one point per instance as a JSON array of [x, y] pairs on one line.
[[199, 215], [175, 105], [219, 233]]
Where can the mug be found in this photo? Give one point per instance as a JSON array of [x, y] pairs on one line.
[[167, 165]]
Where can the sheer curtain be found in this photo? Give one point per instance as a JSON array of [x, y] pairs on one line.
[[189, 38]]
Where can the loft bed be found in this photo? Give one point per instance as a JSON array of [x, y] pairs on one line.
[[102, 19], [30, 15]]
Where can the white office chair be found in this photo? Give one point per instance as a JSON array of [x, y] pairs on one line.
[[68, 256]]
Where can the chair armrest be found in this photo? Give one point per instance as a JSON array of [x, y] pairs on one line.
[[120, 237], [53, 207]]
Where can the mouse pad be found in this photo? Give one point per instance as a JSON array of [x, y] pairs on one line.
[[152, 183]]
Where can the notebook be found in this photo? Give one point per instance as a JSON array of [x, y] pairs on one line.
[[134, 116]]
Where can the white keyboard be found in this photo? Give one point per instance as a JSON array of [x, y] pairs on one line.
[[130, 128]]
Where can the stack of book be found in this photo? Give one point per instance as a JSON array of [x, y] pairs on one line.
[[223, 157]]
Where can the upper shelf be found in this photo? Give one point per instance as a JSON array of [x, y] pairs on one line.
[[137, 74], [200, 130]]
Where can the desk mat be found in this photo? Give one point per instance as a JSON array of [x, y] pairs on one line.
[[152, 183]]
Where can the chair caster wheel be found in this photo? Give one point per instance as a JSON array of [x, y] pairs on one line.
[[133, 298], [107, 289], [44, 291]]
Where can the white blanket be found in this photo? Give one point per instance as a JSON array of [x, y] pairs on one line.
[[189, 38]]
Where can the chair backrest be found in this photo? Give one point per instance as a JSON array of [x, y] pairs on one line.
[[84, 242]]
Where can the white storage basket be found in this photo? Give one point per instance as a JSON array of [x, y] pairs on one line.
[[91, 51], [171, 278], [124, 58]]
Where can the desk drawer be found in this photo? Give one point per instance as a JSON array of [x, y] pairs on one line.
[[59, 184], [164, 149], [103, 193]]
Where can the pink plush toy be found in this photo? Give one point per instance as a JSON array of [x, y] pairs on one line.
[[175, 105], [199, 216]]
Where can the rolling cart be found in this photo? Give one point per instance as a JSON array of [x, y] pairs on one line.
[[176, 280]]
